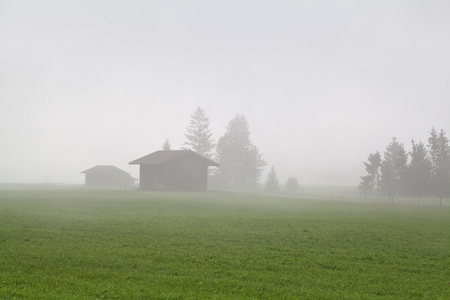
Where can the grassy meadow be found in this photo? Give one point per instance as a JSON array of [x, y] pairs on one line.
[[97, 244]]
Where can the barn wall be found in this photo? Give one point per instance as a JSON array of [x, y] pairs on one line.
[[89, 180], [185, 174], [150, 177]]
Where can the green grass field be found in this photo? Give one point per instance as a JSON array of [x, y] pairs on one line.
[[94, 244]]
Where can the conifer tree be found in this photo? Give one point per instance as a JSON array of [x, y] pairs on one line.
[[371, 183], [365, 185], [199, 137], [440, 163], [291, 185], [393, 169], [166, 145], [241, 163], [419, 171], [272, 184], [434, 153]]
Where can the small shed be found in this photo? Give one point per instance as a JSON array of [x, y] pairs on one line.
[[174, 170], [108, 177]]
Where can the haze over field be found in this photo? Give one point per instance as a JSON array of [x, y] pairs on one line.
[[321, 83]]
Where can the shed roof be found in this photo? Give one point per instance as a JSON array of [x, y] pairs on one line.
[[164, 156], [100, 169]]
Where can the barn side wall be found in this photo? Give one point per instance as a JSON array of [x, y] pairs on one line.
[[150, 177], [185, 174]]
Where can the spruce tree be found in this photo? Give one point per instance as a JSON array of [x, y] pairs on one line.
[[241, 163], [419, 171], [434, 154], [440, 163], [365, 186], [272, 184], [292, 185], [393, 169], [166, 145], [199, 137], [371, 183]]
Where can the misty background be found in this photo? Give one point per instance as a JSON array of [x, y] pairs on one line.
[[321, 83]]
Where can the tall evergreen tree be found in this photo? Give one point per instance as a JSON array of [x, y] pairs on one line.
[[166, 145], [433, 147], [419, 171], [371, 183], [365, 185], [199, 137], [272, 184], [291, 185], [440, 163], [241, 163], [393, 169]]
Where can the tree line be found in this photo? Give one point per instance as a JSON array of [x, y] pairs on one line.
[[421, 172], [241, 162]]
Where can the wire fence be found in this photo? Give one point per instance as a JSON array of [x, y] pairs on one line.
[[352, 194]]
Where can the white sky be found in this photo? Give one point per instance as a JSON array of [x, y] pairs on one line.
[[322, 83]]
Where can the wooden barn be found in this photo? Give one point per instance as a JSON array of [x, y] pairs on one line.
[[174, 170], [108, 177]]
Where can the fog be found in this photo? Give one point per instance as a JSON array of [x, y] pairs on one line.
[[321, 83]]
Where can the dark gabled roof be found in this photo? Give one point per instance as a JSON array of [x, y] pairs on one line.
[[100, 169], [164, 156]]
